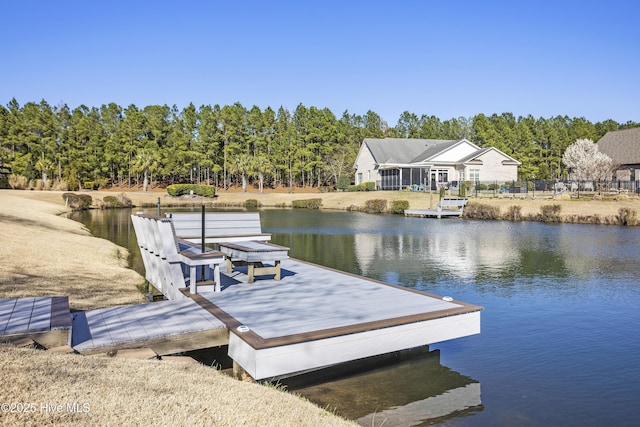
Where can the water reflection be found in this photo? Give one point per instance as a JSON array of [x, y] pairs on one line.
[[413, 391]]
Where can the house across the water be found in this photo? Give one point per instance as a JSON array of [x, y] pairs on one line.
[[623, 146], [401, 163]]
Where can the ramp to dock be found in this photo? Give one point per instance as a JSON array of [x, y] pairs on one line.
[[44, 320], [167, 327]]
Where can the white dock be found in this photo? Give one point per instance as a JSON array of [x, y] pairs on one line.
[[166, 327], [44, 320], [316, 317], [433, 213]]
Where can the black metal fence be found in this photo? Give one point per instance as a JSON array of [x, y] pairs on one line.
[[550, 187]]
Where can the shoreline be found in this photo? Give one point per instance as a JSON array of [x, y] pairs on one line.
[[583, 210]]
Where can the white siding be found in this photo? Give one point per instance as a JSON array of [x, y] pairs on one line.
[[365, 165], [456, 153], [492, 168]]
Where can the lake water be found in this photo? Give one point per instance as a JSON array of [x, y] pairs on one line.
[[560, 341]]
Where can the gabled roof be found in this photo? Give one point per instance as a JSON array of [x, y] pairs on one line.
[[623, 146], [473, 156], [405, 150]]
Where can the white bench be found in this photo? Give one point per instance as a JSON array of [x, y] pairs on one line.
[[449, 202], [164, 256], [219, 227]]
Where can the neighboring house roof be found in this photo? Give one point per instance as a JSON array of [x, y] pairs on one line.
[[623, 146], [405, 150]]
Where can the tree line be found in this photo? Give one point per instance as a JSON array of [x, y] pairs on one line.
[[235, 145]]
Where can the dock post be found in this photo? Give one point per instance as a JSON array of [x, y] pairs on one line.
[[202, 240], [158, 206]]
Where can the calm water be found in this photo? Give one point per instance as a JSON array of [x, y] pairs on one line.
[[560, 341]]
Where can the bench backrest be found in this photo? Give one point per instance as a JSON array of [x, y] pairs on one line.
[[453, 202], [219, 227], [159, 249]]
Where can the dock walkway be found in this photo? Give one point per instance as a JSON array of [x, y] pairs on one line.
[[44, 320], [167, 327]]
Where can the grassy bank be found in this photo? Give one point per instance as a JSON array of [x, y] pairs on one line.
[[598, 210]]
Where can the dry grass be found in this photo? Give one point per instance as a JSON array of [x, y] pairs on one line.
[[124, 392], [43, 254]]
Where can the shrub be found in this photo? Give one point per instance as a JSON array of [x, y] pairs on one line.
[[398, 206], [176, 190], [307, 204], [119, 201], [91, 185], [481, 211], [85, 201], [77, 202], [18, 182], [514, 213], [493, 187], [375, 206], [462, 192], [111, 202], [369, 186], [343, 182], [442, 192], [481, 187], [627, 216], [550, 213], [251, 203]]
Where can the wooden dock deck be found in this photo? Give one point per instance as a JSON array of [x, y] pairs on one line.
[[44, 320], [167, 327], [316, 317]]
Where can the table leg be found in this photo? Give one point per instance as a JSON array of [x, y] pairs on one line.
[[216, 277], [250, 272], [277, 266], [193, 287]]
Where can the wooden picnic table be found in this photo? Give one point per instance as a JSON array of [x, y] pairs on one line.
[[254, 254]]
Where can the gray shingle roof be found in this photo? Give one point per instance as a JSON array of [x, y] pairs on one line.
[[405, 150], [623, 146]]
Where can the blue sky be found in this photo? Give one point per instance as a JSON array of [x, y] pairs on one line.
[[442, 58]]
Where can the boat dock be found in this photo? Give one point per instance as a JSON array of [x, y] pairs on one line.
[[447, 207], [433, 213], [313, 317], [293, 319]]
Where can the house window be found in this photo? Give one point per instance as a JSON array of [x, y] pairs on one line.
[[359, 178], [461, 175], [474, 175]]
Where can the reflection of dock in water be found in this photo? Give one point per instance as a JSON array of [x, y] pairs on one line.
[[410, 389]]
